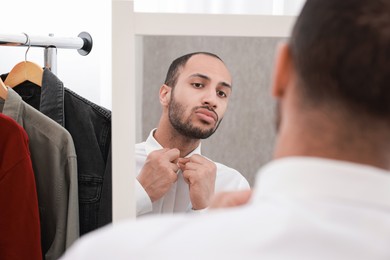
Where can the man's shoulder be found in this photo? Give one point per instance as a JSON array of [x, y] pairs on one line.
[[229, 178], [224, 168], [226, 174]]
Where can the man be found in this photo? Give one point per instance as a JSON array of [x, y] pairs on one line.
[[173, 175], [326, 195]]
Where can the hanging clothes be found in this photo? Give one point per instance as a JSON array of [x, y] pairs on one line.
[[90, 127], [19, 216], [55, 169]]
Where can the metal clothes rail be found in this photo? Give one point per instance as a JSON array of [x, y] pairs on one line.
[[83, 44]]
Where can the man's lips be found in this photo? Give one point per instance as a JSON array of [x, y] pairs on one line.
[[204, 112]]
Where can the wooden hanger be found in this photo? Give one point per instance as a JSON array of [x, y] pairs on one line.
[[3, 90], [23, 71]]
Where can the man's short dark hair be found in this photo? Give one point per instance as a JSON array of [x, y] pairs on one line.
[[341, 51], [177, 64]]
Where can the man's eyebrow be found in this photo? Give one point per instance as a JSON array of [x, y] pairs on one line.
[[199, 75], [225, 84]]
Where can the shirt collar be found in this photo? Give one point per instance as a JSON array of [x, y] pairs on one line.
[[309, 177], [12, 106], [52, 97], [151, 145]]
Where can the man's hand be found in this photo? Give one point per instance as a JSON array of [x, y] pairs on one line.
[[200, 174], [159, 172], [230, 199]]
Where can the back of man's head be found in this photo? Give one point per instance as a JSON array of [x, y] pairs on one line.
[[341, 52]]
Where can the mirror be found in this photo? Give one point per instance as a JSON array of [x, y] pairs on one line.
[[245, 138]]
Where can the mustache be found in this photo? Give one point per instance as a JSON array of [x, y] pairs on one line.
[[208, 108]]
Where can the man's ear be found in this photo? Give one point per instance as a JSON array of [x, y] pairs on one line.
[[165, 95], [283, 71]]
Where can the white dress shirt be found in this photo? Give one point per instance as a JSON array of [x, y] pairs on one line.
[[302, 208], [177, 199]]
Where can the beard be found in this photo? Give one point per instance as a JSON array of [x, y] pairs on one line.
[[184, 126]]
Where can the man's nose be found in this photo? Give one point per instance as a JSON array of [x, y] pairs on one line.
[[210, 98]]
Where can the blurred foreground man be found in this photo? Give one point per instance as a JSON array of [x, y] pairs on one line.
[[326, 194]]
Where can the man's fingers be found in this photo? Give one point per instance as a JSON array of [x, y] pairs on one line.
[[186, 180], [181, 162], [187, 173], [190, 166], [174, 167], [230, 199], [182, 166], [172, 154], [196, 158]]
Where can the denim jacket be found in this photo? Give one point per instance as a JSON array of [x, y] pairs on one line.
[[90, 128]]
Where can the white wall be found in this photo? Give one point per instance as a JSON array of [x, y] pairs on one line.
[[89, 76]]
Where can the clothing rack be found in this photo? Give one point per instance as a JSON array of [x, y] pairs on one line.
[[83, 44]]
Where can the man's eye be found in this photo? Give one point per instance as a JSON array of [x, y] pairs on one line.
[[221, 93], [197, 85]]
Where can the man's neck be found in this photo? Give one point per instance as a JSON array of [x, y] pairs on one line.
[[170, 138], [321, 138]]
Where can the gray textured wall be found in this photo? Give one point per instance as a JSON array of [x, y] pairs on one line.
[[246, 136]]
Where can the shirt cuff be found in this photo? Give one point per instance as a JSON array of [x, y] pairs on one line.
[[144, 203]]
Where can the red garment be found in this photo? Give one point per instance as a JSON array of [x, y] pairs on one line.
[[19, 216]]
